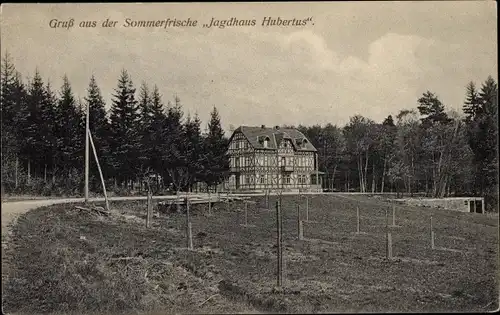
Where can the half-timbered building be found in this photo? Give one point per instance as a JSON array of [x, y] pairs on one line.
[[264, 158]]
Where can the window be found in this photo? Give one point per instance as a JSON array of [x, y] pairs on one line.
[[262, 179], [287, 179], [302, 179], [266, 142]]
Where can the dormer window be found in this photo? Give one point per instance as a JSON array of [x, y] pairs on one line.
[[304, 143], [266, 142]]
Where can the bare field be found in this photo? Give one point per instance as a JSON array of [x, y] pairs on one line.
[[63, 260]]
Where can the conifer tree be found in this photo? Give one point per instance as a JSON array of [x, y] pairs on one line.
[[30, 129], [483, 139], [7, 97], [472, 103], [125, 138], [194, 149], [70, 129], [174, 157], [432, 109], [146, 117], [157, 135], [9, 110], [48, 145], [217, 159], [99, 127]]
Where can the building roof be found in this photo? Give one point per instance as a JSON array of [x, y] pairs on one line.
[[257, 135]]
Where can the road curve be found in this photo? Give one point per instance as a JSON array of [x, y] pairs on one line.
[[12, 209]]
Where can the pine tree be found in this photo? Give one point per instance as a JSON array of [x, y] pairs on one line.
[[99, 127], [431, 107], [20, 99], [173, 148], [158, 134], [146, 119], [7, 98], [33, 138], [9, 110], [70, 130], [483, 141], [389, 121], [194, 149], [20, 117], [472, 102], [48, 145], [217, 159], [125, 138]]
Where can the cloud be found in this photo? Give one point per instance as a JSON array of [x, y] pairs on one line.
[[309, 44], [344, 87]]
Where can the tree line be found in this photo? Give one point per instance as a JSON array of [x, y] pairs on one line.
[[139, 140], [426, 150]]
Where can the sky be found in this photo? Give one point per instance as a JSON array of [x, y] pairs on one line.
[[367, 58]]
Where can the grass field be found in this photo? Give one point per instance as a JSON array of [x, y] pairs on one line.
[[65, 260]]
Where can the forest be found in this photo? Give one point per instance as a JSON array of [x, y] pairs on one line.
[[425, 150]]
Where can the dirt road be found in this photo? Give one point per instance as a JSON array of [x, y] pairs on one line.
[[12, 209]]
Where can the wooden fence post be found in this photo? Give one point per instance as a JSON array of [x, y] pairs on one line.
[[388, 237], [432, 234], [393, 215], [29, 172], [357, 220], [307, 208], [16, 180], [298, 221], [209, 204], [301, 230], [279, 243], [149, 207], [267, 199], [188, 226], [389, 245], [282, 247]]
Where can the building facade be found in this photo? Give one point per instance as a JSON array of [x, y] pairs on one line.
[[272, 159]]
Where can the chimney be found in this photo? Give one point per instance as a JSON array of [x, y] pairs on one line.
[[263, 126]]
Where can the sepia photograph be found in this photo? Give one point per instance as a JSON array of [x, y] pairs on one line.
[[249, 157]]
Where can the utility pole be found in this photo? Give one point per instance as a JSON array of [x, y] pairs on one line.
[[100, 171], [317, 173], [87, 130]]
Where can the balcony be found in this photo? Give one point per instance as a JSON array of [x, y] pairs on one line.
[[287, 168]]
